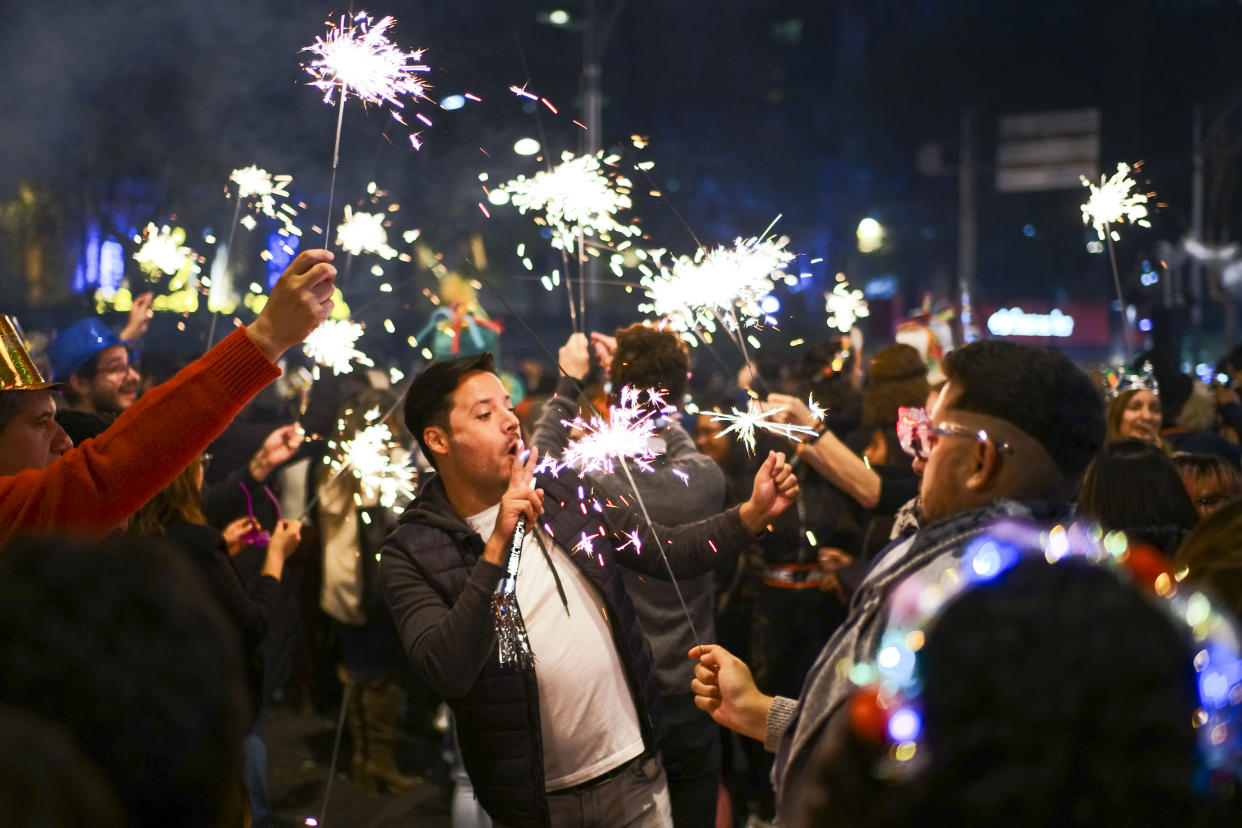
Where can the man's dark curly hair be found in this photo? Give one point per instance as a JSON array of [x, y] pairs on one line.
[[1039, 391], [647, 357], [429, 398], [1055, 695], [122, 645]]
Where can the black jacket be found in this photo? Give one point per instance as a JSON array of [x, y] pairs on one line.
[[439, 590], [250, 611]]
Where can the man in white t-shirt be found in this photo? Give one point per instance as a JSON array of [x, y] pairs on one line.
[[571, 740]]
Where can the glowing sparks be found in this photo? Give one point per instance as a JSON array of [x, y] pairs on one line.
[[364, 233], [332, 345], [585, 545], [844, 306], [579, 198], [625, 436], [743, 424], [633, 541], [725, 285], [1114, 202], [356, 57], [161, 251], [380, 464], [817, 411], [266, 194]]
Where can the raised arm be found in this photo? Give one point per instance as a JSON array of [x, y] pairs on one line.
[[91, 489], [828, 456], [550, 435], [834, 461], [695, 548]]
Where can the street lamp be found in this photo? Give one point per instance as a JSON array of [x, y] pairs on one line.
[[870, 235], [526, 146]]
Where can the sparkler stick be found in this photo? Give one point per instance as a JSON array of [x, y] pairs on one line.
[[228, 251], [617, 442], [1125, 317], [741, 342], [336, 160], [543, 142], [663, 555], [1115, 202]]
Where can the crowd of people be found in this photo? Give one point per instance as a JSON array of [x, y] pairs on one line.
[[989, 589]]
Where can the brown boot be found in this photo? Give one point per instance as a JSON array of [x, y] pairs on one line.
[[356, 717], [382, 705]]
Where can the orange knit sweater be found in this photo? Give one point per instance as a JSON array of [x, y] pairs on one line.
[[94, 487]]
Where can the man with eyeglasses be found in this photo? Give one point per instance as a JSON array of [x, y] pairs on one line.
[[94, 364], [1010, 436]]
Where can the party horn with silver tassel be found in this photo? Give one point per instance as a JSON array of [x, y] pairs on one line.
[[511, 638]]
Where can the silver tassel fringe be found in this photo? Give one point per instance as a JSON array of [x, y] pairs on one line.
[[511, 638]]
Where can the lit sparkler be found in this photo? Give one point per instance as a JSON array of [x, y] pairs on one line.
[[844, 306], [356, 57], [744, 423], [1114, 202], [380, 464], [817, 411], [332, 345], [161, 251], [266, 194], [626, 435], [724, 284], [578, 199], [364, 233]]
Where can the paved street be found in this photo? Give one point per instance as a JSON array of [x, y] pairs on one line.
[[299, 751]]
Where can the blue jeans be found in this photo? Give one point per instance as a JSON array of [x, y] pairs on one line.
[[254, 772]]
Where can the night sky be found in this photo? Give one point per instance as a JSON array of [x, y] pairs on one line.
[[125, 112]]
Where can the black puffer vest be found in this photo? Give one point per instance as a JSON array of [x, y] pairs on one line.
[[498, 725]]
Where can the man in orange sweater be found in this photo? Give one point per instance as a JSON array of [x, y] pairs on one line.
[[47, 485]]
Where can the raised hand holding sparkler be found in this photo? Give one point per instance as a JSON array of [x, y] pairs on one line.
[[775, 490], [300, 300]]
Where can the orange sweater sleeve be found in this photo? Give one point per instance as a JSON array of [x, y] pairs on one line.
[[91, 489]]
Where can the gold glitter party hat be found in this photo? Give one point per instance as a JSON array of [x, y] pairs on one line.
[[17, 370]]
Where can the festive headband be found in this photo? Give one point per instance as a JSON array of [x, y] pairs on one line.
[[887, 709], [1120, 380]]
